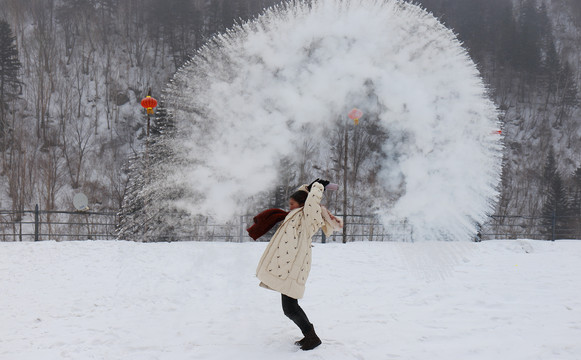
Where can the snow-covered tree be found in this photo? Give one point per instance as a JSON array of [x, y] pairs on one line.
[[147, 213]]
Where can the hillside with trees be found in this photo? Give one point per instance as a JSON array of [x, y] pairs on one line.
[[72, 73]]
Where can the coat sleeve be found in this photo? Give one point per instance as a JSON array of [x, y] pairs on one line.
[[312, 208]]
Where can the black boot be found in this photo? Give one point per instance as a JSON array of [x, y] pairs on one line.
[[302, 341], [311, 340]]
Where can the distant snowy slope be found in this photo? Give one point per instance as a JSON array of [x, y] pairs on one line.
[[517, 300]]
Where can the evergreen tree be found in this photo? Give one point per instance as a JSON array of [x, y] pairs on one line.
[[550, 170], [576, 11], [288, 183], [568, 96], [556, 209], [575, 203], [9, 82], [140, 210], [576, 192], [148, 213], [180, 24], [556, 212], [528, 53], [130, 215], [506, 38]]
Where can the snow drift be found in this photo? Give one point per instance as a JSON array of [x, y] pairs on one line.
[[249, 95]]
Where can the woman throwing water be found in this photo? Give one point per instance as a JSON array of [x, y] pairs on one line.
[[286, 262]]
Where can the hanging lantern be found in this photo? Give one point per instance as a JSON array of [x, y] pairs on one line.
[[149, 103], [355, 114]]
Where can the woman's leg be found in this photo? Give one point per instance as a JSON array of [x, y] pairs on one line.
[[294, 312]]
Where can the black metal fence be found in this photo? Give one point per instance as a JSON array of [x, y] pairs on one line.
[[359, 228], [531, 227], [38, 225]]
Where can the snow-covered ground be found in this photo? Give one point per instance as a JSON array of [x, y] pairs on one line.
[[432, 300]]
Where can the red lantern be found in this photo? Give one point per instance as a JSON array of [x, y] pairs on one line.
[[355, 114], [149, 103]]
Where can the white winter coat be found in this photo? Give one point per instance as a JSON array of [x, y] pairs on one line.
[[286, 262]]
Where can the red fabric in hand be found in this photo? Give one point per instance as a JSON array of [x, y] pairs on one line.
[[266, 221]]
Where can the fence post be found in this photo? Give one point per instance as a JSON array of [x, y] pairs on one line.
[[36, 222], [553, 221], [345, 227], [241, 228]]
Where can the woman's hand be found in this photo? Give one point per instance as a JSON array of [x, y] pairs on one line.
[[323, 182], [333, 217], [320, 181]]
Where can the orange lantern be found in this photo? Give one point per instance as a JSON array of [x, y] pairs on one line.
[[149, 103]]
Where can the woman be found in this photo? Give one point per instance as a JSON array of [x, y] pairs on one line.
[[286, 262]]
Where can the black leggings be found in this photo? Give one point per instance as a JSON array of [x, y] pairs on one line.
[[294, 312]]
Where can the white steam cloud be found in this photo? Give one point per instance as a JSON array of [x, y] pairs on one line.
[[242, 100]]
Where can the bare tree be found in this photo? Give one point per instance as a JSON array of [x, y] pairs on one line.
[[44, 63], [306, 154], [76, 142]]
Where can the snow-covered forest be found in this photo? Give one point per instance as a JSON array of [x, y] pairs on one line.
[[71, 119]]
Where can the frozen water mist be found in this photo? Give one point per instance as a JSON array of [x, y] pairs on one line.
[[249, 96]]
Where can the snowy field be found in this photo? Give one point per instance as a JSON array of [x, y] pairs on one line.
[[123, 300]]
